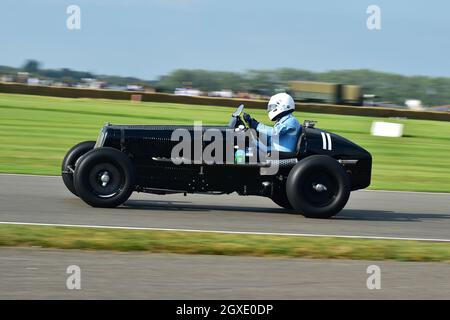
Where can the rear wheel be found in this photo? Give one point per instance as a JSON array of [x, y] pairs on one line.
[[104, 178], [68, 164], [318, 187]]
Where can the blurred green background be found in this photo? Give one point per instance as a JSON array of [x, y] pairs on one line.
[[36, 132]]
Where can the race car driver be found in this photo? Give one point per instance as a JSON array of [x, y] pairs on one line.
[[284, 134]]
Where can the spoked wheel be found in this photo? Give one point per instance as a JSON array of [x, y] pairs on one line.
[[104, 178], [318, 187]]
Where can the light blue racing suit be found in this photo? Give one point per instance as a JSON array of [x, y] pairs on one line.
[[282, 136]]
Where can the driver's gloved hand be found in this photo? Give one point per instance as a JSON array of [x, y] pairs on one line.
[[252, 122]]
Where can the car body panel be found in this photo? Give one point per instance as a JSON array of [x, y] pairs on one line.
[[150, 147]]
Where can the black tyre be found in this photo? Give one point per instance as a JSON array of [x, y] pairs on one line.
[[318, 187], [104, 178], [68, 164], [280, 198]]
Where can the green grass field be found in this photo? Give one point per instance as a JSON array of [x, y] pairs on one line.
[[35, 133]]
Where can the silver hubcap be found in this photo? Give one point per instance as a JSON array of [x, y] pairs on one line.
[[319, 187], [105, 178]]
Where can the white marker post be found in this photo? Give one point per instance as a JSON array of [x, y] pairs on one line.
[[386, 129]]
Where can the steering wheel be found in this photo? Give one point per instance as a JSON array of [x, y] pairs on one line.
[[239, 119]]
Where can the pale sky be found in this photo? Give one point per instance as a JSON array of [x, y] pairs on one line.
[[148, 38]]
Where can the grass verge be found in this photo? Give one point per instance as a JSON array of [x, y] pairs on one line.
[[222, 244]]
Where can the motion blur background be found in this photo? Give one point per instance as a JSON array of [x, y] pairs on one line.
[[249, 48], [376, 72]]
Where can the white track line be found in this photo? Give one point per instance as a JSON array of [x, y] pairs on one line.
[[221, 231], [30, 175], [399, 191]]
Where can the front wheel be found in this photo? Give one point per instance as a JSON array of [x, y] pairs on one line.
[[318, 187], [71, 158], [104, 178]]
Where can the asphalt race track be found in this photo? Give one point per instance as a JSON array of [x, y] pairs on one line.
[[41, 274], [32, 273], [369, 213]]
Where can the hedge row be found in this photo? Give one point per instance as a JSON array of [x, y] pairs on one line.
[[66, 92]]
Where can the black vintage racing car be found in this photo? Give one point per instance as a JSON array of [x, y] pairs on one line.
[[314, 181]]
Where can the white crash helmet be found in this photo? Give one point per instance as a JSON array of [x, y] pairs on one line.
[[280, 103]]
